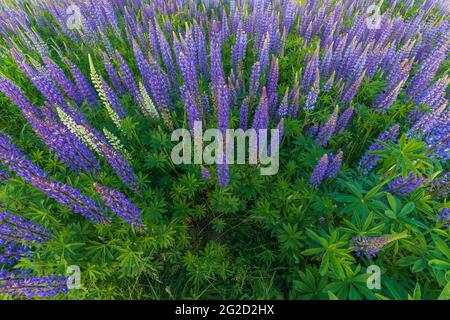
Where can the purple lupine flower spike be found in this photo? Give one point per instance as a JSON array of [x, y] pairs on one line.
[[20, 284], [17, 229], [87, 91], [120, 205], [72, 198], [243, 118], [344, 119], [404, 187], [335, 165], [112, 74], [58, 75], [369, 246], [369, 160], [320, 172], [13, 252], [328, 129], [128, 78]]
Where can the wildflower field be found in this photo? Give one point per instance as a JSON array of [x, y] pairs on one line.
[[350, 95]]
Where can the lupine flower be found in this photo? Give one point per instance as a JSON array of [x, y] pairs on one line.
[[283, 109], [67, 146], [320, 172], [369, 160], [120, 205], [261, 118], [206, 174], [112, 74], [272, 85], [344, 119], [326, 132], [16, 160], [192, 111], [20, 284], [368, 246], [335, 163], [404, 187], [239, 49], [14, 228], [87, 92], [166, 55], [444, 216], [313, 93], [72, 198], [254, 79], [12, 252], [128, 78]]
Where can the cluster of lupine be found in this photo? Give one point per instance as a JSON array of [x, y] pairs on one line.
[[343, 58], [175, 68], [327, 168], [405, 186], [17, 236]]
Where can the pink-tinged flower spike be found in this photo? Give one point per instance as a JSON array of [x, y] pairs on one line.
[[61, 79], [319, 172], [83, 85], [20, 284], [326, 132], [120, 205], [344, 119]]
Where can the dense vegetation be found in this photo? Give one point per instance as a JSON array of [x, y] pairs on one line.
[[90, 92]]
